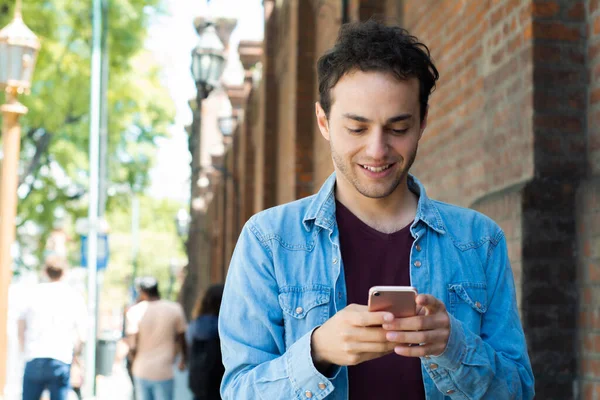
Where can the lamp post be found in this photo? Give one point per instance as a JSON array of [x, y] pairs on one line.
[[227, 125], [18, 53], [208, 62], [182, 223]]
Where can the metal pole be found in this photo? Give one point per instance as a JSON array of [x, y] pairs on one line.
[[104, 115], [135, 236], [11, 137], [95, 83]]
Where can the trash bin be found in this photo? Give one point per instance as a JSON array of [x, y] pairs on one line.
[[106, 349]]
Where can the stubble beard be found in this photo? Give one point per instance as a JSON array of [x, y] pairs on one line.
[[373, 192]]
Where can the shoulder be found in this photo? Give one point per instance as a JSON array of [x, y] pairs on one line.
[[288, 218], [466, 225], [172, 307]]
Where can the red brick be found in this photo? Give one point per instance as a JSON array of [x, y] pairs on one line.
[[577, 11], [594, 6], [588, 391], [555, 31], [595, 97], [587, 300], [562, 122], [593, 271], [594, 51], [597, 25], [545, 9]]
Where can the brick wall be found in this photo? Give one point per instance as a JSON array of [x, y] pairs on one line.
[[506, 133], [588, 222], [328, 22], [514, 132], [593, 15], [479, 136]]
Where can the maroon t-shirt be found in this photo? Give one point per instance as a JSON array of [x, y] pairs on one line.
[[374, 258]]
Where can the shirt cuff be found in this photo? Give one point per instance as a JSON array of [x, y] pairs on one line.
[[303, 374], [455, 351]]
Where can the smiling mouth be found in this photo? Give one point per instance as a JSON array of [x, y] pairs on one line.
[[376, 169]]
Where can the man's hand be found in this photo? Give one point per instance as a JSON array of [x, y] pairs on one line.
[[423, 335], [350, 337]]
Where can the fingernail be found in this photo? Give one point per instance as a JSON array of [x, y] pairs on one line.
[[391, 336], [386, 326], [388, 317]]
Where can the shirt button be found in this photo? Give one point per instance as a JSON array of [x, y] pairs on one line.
[[477, 304], [433, 366], [335, 260], [418, 247], [417, 264], [450, 391], [308, 394], [299, 310], [427, 357], [322, 386]]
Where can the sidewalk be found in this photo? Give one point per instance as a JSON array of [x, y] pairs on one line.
[[118, 386]]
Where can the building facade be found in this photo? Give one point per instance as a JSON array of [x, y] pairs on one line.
[[514, 132]]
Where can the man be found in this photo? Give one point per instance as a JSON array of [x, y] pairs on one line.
[[294, 321], [156, 333], [51, 332]]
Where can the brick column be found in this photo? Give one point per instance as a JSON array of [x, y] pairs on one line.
[[265, 165]]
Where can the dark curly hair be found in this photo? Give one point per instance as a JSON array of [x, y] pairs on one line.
[[373, 46]]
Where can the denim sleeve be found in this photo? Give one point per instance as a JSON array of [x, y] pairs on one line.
[[495, 364], [257, 363]]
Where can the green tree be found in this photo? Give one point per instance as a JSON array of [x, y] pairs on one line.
[[159, 247], [54, 156]]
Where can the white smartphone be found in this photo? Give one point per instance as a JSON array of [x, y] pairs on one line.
[[399, 300]]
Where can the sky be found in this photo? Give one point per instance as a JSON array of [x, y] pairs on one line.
[[171, 39]]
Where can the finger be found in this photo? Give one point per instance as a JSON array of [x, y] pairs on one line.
[[362, 317], [425, 350], [428, 337], [362, 348], [418, 323], [364, 334], [430, 303]]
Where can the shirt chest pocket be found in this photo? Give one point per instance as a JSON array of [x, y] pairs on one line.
[[303, 309], [468, 303]]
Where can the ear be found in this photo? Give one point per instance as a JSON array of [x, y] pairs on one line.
[[322, 120], [424, 123]]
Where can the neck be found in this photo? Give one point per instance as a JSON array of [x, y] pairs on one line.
[[388, 214]]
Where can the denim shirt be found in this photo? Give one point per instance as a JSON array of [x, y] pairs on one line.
[[286, 278]]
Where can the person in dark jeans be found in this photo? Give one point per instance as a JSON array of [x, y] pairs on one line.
[[51, 332], [205, 361], [42, 373]]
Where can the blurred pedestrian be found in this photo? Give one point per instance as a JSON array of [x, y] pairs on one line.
[[156, 334], [51, 332], [205, 361]]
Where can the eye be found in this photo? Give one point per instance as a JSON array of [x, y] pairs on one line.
[[399, 131], [356, 131]]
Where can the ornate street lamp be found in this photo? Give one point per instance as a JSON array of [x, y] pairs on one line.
[[182, 223], [208, 60], [18, 53], [227, 126]]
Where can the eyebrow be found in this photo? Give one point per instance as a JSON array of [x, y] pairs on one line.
[[397, 118]]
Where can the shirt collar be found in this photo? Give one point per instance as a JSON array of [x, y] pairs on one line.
[[321, 211]]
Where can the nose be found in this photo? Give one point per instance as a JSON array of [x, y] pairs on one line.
[[377, 146]]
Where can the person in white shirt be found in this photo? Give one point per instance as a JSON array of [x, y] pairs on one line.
[[51, 332]]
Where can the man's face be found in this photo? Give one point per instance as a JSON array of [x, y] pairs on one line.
[[373, 130]]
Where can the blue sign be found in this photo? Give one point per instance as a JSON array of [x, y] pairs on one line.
[[103, 251]]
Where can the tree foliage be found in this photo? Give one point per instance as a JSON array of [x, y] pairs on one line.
[[54, 156]]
